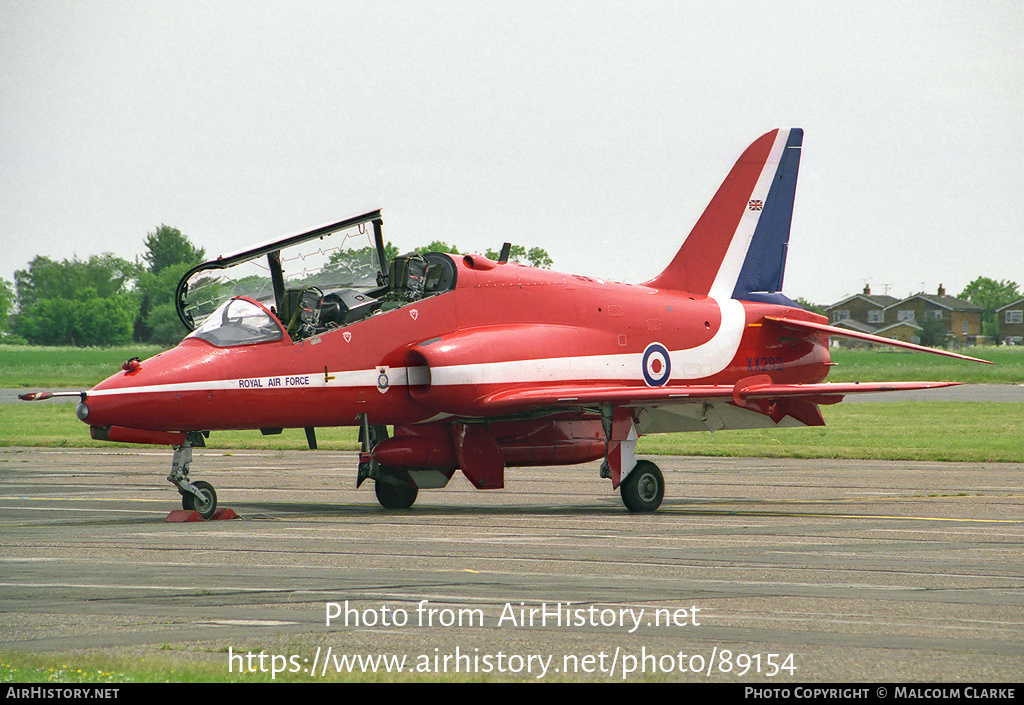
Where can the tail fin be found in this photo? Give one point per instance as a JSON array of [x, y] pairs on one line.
[[738, 247]]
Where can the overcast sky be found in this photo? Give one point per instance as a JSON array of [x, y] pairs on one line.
[[597, 130]]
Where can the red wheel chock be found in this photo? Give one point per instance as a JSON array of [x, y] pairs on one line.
[[183, 515]]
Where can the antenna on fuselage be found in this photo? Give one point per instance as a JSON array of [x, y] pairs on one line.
[[506, 250]]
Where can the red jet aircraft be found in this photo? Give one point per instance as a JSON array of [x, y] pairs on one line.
[[479, 365]]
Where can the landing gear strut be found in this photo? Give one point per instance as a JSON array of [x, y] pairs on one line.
[[199, 496], [393, 486], [643, 487]]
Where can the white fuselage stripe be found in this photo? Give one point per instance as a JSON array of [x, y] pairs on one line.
[[693, 363]]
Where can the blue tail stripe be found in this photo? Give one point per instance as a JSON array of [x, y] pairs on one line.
[[765, 263]]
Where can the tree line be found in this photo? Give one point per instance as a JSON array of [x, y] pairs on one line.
[[104, 300], [107, 300]]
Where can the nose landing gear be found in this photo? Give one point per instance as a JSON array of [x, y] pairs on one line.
[[195, 496]]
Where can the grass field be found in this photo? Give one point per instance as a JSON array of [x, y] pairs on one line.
[[957, 431], [889, 365], [46, 367], [963, 431]]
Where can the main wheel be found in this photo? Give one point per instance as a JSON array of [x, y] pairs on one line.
[[643, 488], [396, 495], [207, 506]]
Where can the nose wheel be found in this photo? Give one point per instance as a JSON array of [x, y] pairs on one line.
[[205, 504]]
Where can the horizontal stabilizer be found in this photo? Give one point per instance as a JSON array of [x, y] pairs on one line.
[[808, 326]]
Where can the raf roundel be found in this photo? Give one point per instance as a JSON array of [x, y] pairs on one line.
[[657, 365]]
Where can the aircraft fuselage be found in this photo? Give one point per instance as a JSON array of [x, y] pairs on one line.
[[434, 359]]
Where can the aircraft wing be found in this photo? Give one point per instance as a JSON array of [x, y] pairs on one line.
[[749, 389]]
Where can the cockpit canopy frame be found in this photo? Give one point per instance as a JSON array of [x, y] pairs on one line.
[[204, 288], [329, 284]]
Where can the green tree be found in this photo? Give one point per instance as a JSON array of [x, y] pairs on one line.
[[808, 306], [156, 292], [934, 333], [87, 319], [165, 326], [6, 302], [75, 302], [538, 257], [437, 246], [46, 279], [990, 295], [169, 255], [166, 247]]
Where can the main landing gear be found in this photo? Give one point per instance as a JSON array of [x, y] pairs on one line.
[[395, 489], [393, 486], [644, 487], [198, 496]]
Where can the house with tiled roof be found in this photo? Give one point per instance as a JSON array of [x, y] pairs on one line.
[[907, 331], [1011, 323], [960, 319], [906, 319], [863, 312]]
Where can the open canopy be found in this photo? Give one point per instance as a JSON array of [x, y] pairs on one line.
[[337, 256]]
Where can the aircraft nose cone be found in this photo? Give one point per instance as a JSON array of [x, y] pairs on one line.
[[143, 394]]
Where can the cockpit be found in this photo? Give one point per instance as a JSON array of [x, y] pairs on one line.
[[412, 277], [312, 282]]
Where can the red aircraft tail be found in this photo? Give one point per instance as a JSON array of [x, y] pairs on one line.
[[738, 247]]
